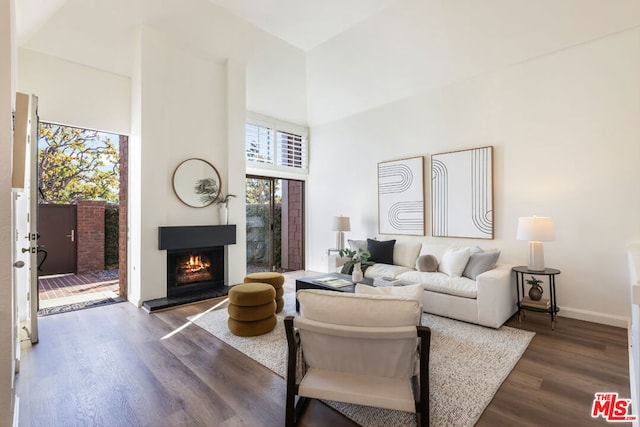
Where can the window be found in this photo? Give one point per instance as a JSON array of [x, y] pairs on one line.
[[271, 144]]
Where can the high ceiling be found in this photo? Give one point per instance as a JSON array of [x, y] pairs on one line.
[[329, 58], [303, 24]]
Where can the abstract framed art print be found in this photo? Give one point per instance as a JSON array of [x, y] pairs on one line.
[[462, 193], [401, 197]]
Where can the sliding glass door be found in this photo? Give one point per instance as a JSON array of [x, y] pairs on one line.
[[275, 218]]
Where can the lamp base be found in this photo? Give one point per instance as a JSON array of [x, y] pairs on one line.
[[340, 240], [536, 257]]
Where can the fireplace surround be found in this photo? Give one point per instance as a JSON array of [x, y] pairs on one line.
[[195, 263]]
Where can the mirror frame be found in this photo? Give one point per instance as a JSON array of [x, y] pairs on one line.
[[187, 195]]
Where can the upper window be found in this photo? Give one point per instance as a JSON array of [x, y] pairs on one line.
[[271, 144]]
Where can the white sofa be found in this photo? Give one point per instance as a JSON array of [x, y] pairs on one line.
[[489, 300]]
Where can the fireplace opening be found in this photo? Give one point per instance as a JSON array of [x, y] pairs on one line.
[[191, 271]]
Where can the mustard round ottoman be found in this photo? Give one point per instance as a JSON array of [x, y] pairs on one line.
[[251, 309], [274, 279]]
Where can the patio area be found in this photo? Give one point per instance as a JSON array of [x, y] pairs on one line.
[[67, 289]]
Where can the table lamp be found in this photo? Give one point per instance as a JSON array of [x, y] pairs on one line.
[[341, 224], [536, 230]]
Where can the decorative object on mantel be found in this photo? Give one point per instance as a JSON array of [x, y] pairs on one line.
[[535, 292], [462, 193], [223, 207], [196, 183], [536, 230], [341, 224], [401, 197]]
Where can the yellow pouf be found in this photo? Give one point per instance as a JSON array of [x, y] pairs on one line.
[[252, 309], [251, 294], [250, 314], [252, 329], [274, 279]]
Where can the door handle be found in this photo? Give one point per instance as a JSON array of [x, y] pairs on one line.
[[72, 235], [18, 264]]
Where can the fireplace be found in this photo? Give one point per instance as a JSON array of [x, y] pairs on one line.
[[194, 270], [195, 263]]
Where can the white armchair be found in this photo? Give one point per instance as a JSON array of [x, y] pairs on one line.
[[360, 349]]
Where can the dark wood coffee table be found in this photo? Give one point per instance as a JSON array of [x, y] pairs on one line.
[[313, 282]]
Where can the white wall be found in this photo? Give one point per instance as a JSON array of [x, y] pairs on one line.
[[181, 114], [416, 45], [567, 143], [7, 317], [74, 94]]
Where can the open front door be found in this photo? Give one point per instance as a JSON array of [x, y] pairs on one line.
[[25, 211], [32, 149]]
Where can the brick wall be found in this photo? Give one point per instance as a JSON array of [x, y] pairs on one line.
[[124, 191], [90, 236], [296, 229]]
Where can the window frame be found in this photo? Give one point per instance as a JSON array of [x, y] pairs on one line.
[[278, 126]]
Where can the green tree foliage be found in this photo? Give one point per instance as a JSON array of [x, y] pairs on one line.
[[259, 191], [77, 164]]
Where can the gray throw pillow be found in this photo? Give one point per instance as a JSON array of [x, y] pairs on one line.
[[427, 263], [357, 244], [480, 262]]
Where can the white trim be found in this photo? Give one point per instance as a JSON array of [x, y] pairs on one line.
[[16, 412], [277, 173], [595, 317]]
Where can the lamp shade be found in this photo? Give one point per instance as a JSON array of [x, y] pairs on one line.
[[535, 229], [341, 223]]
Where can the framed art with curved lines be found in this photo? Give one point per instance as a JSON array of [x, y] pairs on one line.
[[462, 193], [401, 197]]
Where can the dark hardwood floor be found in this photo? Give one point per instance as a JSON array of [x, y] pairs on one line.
[[117, 365]]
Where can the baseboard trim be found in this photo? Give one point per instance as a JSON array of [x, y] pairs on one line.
[[595, 317]]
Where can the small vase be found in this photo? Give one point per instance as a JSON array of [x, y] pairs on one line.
[[356, 275], [535, 293], [224, 215]]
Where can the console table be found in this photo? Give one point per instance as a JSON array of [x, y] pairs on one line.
[[524, 303]]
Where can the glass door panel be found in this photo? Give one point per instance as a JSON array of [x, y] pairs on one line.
[[274, 224]]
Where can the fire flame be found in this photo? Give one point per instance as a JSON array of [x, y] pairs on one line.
[[195, 264]]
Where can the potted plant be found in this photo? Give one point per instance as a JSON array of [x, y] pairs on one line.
[[356, 258], [223, 205], [535, 292]]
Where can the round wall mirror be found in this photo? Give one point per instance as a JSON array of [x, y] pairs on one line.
[[196, 183]]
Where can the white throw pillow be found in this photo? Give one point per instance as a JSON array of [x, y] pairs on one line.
[[454, 260], [412, 291], [406, 253]]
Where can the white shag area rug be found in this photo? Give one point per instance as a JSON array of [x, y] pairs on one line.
[[468, 363]]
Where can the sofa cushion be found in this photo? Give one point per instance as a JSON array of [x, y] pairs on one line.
[[342, 308], [381, 251], [406, 253], [428, 263], [480, 262], [454, 260], [442, 283], [411, 291], [385, 270], [356, 245]]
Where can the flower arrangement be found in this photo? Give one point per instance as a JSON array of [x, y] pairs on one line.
[[355, 257]]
